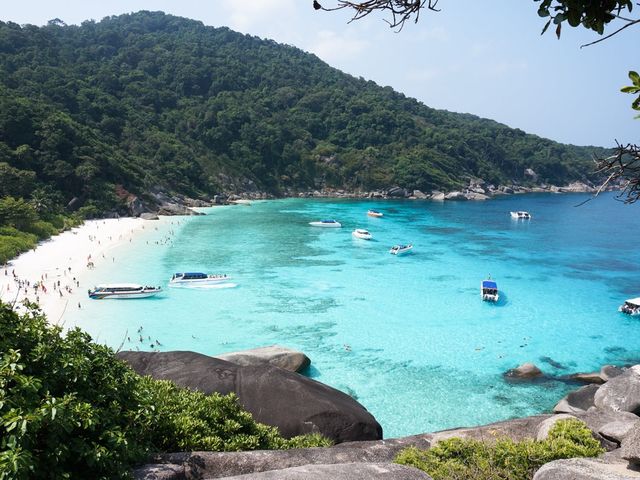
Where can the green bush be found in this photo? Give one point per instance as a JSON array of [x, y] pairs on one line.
[[13, 242], [42, 229], [70, 409], [458, 459]]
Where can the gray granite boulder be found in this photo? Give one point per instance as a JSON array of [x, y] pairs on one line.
[[437, 196], [591, 377], [287, 400], [166, 471], [524, 372], [149, 216], [618, 430], [274, 355], [547, 425], [175, 209], [631, 444], [458, 196], [419, 195], [621, 392], [223, 464], [607, 372], [517, 429], [579, 400], [586, 469], [344, 471]]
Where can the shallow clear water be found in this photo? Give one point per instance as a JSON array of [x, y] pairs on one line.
[[407, 336]]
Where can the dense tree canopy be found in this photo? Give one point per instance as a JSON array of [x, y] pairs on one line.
[[148, 100]]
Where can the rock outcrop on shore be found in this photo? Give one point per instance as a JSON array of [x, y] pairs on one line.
[[295, 404], [618, 432], [477, 190]]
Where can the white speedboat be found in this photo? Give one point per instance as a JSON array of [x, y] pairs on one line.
[[401, 249], [521, 215], [375, 213], [489, 290], [362, 233], [123, 290], [197, 278], [326, 224], [631, 307]]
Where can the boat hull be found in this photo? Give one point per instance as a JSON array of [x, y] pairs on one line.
[[122, 296], [199, 281], [400, 251], [361, 235], [325, 225], [631, 313]]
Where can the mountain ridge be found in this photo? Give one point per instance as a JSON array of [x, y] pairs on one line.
[[148, 101]]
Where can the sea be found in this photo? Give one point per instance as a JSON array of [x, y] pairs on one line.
[[407, 336]]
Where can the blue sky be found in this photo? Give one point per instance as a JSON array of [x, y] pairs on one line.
[[485, 58]]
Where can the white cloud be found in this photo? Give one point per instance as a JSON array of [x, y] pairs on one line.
[[335, 47]]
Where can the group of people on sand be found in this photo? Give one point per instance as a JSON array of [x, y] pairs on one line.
[[27, 290]]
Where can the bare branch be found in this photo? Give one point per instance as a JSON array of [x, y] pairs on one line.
[[623, 167], [400, 10], [631, 22]]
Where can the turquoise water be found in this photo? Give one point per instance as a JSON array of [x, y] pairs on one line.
[[407, 336]]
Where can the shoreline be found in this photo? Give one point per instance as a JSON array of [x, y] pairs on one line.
[[54, 274]]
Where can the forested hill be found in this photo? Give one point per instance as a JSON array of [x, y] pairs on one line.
[[152, 101]]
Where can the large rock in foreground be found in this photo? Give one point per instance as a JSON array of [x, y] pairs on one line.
[[343, 471], [621, 392], [585, 469], [274, 355], [291, 402]]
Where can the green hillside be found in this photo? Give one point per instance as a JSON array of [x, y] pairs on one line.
[[149, 101]]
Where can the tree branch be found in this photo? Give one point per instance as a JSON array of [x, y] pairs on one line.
[[631, 22], [401, 10], [623, 167]]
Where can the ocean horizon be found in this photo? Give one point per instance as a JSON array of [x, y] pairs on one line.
[[409, 336]]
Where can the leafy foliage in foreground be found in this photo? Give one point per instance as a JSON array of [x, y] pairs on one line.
[[460, 459], [70, 409], [150, 100]]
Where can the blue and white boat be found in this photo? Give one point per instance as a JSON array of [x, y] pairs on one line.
[[326, 224], [489, 290], [197, 278]]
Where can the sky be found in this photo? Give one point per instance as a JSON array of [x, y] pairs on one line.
[[484, 58]]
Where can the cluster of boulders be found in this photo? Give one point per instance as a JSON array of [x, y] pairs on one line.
[[609, 407], [476, 190]]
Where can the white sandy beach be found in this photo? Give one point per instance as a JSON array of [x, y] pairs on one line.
[[52, 274]]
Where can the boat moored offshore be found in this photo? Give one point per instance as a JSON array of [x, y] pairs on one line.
[[362, 233], [521, 215], [122, 291], [631, 307], [489, 290], [326, 224], [375, 213], [401, 249], [197, 278]]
